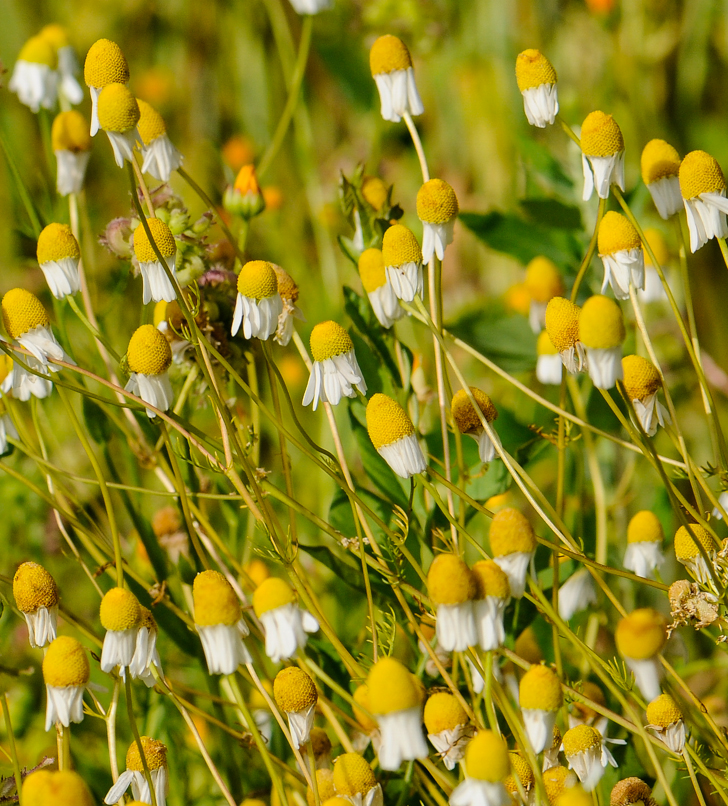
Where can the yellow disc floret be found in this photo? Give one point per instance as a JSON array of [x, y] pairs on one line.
[[562, 323], [391, 687], [215, 601], [387, 421], [556, 780], [533, 69], [659, 160], [148, 352], [163, 239], [685, 546], [600, 135], [294, 690], [389, 53], [120, 610], [22, 311], [601, 325], [486, 757], [371, 270], [544, 345], [374, 191], [490, 580], [155, 753], [257, 280], [66, 663], [105, 64], [663, 711], [644, 527], [700, 173], [58, 787], [521, 769], [151, 123], [271, 594], [399, 246], [450, 581], [70, 132], [464, 414], [329, 339], [631, 792], [510, 531], [38, 50], [641, 378], [443, 712], [437, 202], [617, 234], [580, 739], [33, 588], [55, 242], [326, 791], [641, 635], [118, 109], [540, 689], [353, 775], [543, 279]]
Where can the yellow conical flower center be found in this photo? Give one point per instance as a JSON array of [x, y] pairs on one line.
[[151, 123], [543, 280], [154, 752], [271, 594], [258, 572], [659, 160], [601, 325], [600, 135], [374, 191], [294, 690], [257, 280], [580, 739], [464, 414], [641, 378], [562, 323], [329, 339], [449, 580], [486, 757], [320, 742], [371, 270], [118, 110], [387, 421], [58, 787], [389, 53], [163, 239], [574, 796], [326, 791], [70, 132], [105, 64], [641, 634], [38, 50], [443, 712], [655, 240], [391, 687], [437, 202], [287, 287], [555, 780], [353, 775], [631, 792], [33, 588], [700, 173], [120, 610], [522, 769], [214, 600], [149, 352], [510, 531], [55, 34], [490, 580], [56, 242], [663, 711], [544, 345], [399, 246], [617, 234], [22, 311], [645, 527], [540, 689], [685, 546], [66, 663], [361, 697], [533, 69]]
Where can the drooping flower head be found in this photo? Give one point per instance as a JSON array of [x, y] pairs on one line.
[[660, 164], [540, 698], [448, 727], [687, 551], [285, 624], [105, 64], [393, 435], [310, 6], [391, 66], [71, 144], [536, 79], [641, 383], [602, 159], [666, 719], [160, 156], [543, 283], [354, 780], [703, 189], [149, 356], [513, 545], [295, 694], [335, 371], [68, 86], [381, 294], [437, 209], [644, 544], [155, 755], [631, 792], [258, 303], [640, 637], [219, 622], [36, 595], [66, 673], [402, 258], [362, 713], [493, 592], [620, 249], [601, 331], [562, 325], [34, 79], [487, 765], [118, 117], [468, 422], [121, 617], [451, 586], [59, 787], [587, 754], [58, 256], [157, 285]]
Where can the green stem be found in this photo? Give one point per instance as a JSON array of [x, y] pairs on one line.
[[13, 749]]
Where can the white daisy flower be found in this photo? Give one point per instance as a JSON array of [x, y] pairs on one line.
[[118, 116], [513, 546], [587, 754], [703, 189], [451, 587], [687, 552], [105, 64], [402, 258], [562, 326], [155, 754], [285, 624], [620, 249], [58, 256], [640, 638], [66, 673], [121, 617], [666, 719], [354, 780], [384, 301], [437, 209], [601, 331], [71, 144], [335, 371], [468, 422], [34, 79], [448, 727], [487, 765], [536, 79], [161, 158], [660, 165], [641, 383], [258, 303], [295, 694], [491, 599], [393, 436], [149, 357], [602, 157], [391, 66], [540, 697], [36, 596]]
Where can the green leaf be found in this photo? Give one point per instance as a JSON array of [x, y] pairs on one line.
[[552, 213], [96, 422]]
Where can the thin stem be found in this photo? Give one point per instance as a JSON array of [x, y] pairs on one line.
[[13, 748]]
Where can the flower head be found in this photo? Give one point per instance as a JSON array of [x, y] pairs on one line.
[[536, 80], [620, 249], [118, 115], [640, 637], [149, 356], [644, 544], [562, 324], [59, 787], [493, 592], [487, 765], [402, 258], [601, 331], [660, 164], [285, 624], [540, 698], [295, 693], [437, 209], [160, 156], [448, 727], [631, 792], [34, 78], [642, 381], [218, 620], [520, 771], [58, 256], [513, 545], [355, 782], [121, 617], [66, 673], [258, 304], [666, 719], [391, 66], [602, 159], [703, 189], [71, 144], [381, 294], [105, 64], [157, 285], [335, 371], [556, 780], [469, 422], [687, 551], [451, 586], [543, 283], [22, 312], [36, 595], [393, 436], [155, 755], [587, 754]]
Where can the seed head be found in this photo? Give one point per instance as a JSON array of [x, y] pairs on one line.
[[631, 792], [490, 580], [464, 414], [120, 610], [540, 689], [33, 588], [663, 711], [271, 594], [151, 124], [59, 787], [700, 173], [645, 527], [105, 64], [391, 687], [641, 635], [659, 160], [55, 242], [443, 712], [329, 339], [118, 109], [148, 352], [66, 663], [510, 532], [371, 270], [580, 739], [155, 753], [486, 757], [562, 323], [641, 378], [353, 775], [617, 234], [543, 279], [389, 53], [685, 546], [22, 311], [600, 135], [601, 325], [294, 690], [387, 421], [399, 246], [437, 202], [533, 69], [69, 132]]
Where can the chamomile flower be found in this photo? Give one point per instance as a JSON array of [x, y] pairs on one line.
[[602, 159], [295, 694], [448, 727], [121, 617], [587, 754], [105, 64], [219, 621], [71, 144], [666, 719], [688, 553], [493, 592], [487, 765], [576, 594], [58, 256], [155, 754], [642, 382], [451, 586], [381, 295], [468, 422], [703, 189], [258, 303], [548, 363], [513, 545], [36, 596], [310, 6], [362, 714], [157, 285], [285, 624], [66, 673], [146, 653], [660, 164], [520, 771], [393, 436], [391, 66], [395, 700], [543, 283], [620, 249], [601, 331], [640, 637], [118, 117], [556, 780], [631, 792], [354, 780], [402, 258], [644, 544], [34, 79], [335, 371], [536, 79], [149, 357], [27, 323], [562, 325], [244, 197], [540, 697], [160, 156], [437, 209], [288, 291], [59, 787], [68, 85]]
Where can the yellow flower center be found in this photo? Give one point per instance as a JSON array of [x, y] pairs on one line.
[[656, 242], [38, 50], [518, 299], [214, 600], [70, 132], [544, 345], [685, 546], [329, 339], [258, 572], [464, 414], [449, 580], [33, 588], [66, 663], [533, 69], [374, 191], [149, 352], [271, 594], [437, 202], [294, 690], [154, 752], [389, 53], [663, 711], [56, 242], [555, 780], [562, 323], [118, 110], [151, 123], [353, 775], [600, 135], [490, 580], [257, 280], [55, 34], [105, 64], [361, 696], [540, 689], [700, 173], [387, 421], [60, 787], [510, 532], [120, 610], [659, 160], [574, 796], [22, 311], [287, 287], [326, 791], [617, 234], [644, 527], [631, 792], [543, 280], [580, 739], [486, 757], [522, 769], [641, 378], [371, 270], [641, 634], [443, 712], [399, 246], [163, 239], [601, 325], [391, 687]]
